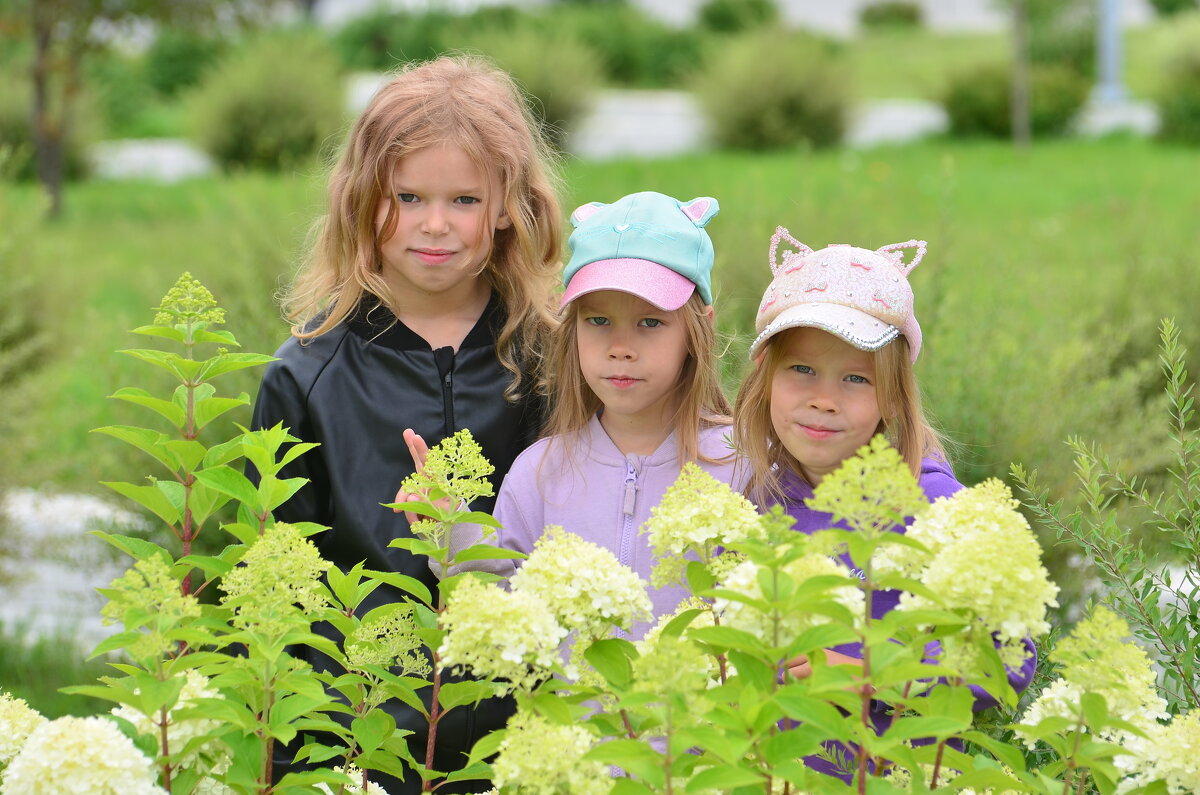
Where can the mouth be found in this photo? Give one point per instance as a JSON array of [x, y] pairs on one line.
[[622, 381], [432, 256], [816, 431]]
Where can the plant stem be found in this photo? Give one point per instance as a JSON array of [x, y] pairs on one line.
[[937, 764]]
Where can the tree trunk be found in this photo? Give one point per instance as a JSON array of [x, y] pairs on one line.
[[47, 131], [1021, 111]]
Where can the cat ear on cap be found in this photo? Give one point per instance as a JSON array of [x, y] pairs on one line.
[[783, 236], [895, 252], [700, 210], [583, 212]]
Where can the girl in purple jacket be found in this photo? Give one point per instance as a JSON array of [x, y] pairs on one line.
[[837, 340]]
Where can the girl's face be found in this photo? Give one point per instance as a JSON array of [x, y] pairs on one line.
[[443, 231], [823, 403], [631, 354]]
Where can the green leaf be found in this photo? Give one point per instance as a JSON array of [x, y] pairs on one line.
[[486, 746], [146, 440], [228, 480], [1095, 711], [553, 707], [166, 332], [230, 362], [456, 694], [221, 337], [933, 726], [169, 410], [372, 729], [402, 582], [134, 547], [487, 552], [632, 755], [611, 658], [723, 777], [727, 637], [150, 498], [699, 578], [207, 410]]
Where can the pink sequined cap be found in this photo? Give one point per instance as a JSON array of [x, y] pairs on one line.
[[859, 295]]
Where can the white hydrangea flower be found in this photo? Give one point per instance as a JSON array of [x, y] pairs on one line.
[[500, 634], [744, 580], [1096, 658], [542, 758], [584, 585], [983, 556], [17, 721], [210, 757], [353, 772], [1167, 754], [80, 756], [697, 514]]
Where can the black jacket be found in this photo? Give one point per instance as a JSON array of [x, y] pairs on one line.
[[353, 390]]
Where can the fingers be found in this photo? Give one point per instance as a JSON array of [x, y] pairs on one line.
[[416, 448]]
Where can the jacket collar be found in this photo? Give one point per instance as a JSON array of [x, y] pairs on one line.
[[601, 447], [375, 323]]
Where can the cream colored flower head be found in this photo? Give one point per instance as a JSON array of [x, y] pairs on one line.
[[498, 634], [1166, 754], [278, 581], [584, 585], [17, 722], [456, 468], [982, 556], [698, 514], [871, 492], [542, 758], [148, 597], [354, 789], [80, 755], [779, 628]]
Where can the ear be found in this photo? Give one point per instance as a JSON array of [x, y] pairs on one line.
[[586, 211], [503, 221], [701, 210], [895, 252], [782, 235], [710, 314]]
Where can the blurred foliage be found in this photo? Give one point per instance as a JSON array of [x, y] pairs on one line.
[[16, 128], [34, 667], [559, 74], [735, 16], [272, 104], [178, 58], [891, 14], [771, 90], [1179, 100], [979, 102], [1062, 33], [1167, 8]]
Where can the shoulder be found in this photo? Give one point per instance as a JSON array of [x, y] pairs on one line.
[[937, 479], [303, 361]]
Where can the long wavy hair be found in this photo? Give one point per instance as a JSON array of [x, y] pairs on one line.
[[701, 402], [903, 421], [468, 102]]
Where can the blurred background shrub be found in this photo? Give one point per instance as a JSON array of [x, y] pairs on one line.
[[978, 102], [735, 16], [271, 104], [769, 90], [177, 59], [890, 14], [16, 130], [1179, 99], [559, 73]]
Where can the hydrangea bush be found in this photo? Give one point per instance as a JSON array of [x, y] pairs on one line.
[[704, 702]]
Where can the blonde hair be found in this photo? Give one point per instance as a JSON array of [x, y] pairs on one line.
[[903, 422], [452, 100], [701, 401]]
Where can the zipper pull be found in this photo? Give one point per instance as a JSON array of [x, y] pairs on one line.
[[630, 487]]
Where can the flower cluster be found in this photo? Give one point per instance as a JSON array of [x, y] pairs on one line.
[[982, 556], [17, 721], [779, 624], [499, 634], [388, 640], [353, 772], [871, 492], [698, 514], [188, 302], [543, 758], [1096, 658], [455, 468], [1167, 754], [147, 595], [206, 757], [278, 582], [584, 585], [88, 756]]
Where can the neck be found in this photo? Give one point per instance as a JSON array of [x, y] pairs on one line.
[[636, 435], [446, 320]]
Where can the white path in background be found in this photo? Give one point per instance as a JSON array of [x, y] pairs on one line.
[[55, 592]]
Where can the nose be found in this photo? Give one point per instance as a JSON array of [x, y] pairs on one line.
[[822, 399], [620, 349], [435, 221]]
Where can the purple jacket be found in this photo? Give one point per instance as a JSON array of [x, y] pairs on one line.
[[600, 495], [937, 480]]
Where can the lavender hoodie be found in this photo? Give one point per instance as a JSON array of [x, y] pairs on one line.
[[601, 495], [936, 480]]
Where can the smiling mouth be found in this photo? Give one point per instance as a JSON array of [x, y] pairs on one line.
[[816, 432], [433, 256], [622, 381]]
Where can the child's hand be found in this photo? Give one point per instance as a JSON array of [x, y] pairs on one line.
[[801, 668], [419, 452]]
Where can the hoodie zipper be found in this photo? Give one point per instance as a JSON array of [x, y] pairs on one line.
[[627, 506], [444, 357]]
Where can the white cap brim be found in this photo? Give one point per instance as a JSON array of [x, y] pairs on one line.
[[852, 325]]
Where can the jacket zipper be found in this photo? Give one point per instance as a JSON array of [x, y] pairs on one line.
[[631, 477], [444, 357]]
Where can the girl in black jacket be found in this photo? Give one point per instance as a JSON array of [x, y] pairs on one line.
[[424, 304]]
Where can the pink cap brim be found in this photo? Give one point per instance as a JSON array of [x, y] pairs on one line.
[[648, 280]]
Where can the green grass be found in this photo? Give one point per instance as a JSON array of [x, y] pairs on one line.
[[35, 670]]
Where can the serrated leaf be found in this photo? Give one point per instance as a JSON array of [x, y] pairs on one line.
[[150, 442], [228, 480], [207, 410], [231, 362], [150, 498]]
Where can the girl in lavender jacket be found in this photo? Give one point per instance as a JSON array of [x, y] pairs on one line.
[[635, 392], [837, 339]]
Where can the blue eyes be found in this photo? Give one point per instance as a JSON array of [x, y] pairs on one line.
[[646, 322], [650, 322], [804, 369], [411, 198]]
